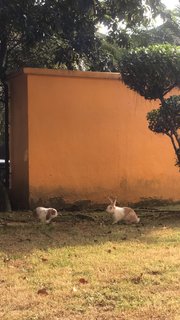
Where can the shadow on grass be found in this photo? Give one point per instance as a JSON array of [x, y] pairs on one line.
[[20, 234]]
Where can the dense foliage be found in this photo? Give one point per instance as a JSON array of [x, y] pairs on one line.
[[167, 32], [152, 71], [166, 120], [63, 33]]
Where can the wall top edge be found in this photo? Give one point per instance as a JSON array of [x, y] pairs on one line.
[[66, 73]]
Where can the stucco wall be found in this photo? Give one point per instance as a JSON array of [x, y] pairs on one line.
[[88, 139]]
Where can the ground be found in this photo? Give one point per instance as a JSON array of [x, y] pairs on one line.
[[77, 269]]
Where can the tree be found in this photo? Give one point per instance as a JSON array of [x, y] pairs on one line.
[[167, 32], [64, 32], [166, 120], [153, 72], [32, 33], [22, 24], [68, 28], [142, 35]]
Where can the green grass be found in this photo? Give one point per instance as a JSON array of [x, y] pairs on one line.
[[90, 269]]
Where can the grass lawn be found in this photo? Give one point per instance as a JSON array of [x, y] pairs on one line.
[[84, 269]]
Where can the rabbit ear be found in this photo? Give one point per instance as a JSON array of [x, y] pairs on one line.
[[114, 203], [110, 200]]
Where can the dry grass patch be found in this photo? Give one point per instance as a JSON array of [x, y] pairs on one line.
[[76, 269]]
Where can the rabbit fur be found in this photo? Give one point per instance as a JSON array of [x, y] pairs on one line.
[[122, 213], [45, 215]]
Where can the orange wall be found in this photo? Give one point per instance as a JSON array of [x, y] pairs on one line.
[[88, 139]]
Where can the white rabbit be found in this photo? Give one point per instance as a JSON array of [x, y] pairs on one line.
[[122, 213], [45, 215]]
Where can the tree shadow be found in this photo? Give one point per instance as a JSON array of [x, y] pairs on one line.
[[21, 235]]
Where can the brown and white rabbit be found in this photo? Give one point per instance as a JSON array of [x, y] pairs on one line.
[[45, 215], [122, 213]]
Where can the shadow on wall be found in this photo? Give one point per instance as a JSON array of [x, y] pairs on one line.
[[60, 204]]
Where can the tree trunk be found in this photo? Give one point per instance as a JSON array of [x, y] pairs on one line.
[[5, 204], [174, 140], [3, 78], [177, 150], [6, 110]]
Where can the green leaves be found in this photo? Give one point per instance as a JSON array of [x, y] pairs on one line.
[[166, 119], [152, 71], [27, 25]]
